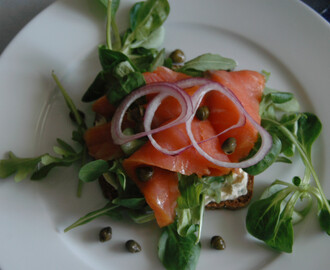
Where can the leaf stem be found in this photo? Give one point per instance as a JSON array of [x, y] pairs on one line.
[[117, 42], [89, 217], [288, 210], [280, 182], [201, 214], [68, 100], [109, 25], [316, 193], [83, 161]]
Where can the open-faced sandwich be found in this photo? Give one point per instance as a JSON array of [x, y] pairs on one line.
[[218, 126]]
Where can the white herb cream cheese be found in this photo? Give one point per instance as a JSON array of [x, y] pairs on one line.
[[236, 187]]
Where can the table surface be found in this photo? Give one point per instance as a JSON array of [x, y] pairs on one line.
[[15, 14]]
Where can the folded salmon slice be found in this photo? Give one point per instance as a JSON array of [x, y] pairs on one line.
[[163, 74], [100, 144], [103, 107], [248, 87]]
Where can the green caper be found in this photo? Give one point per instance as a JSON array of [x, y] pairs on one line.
[[73, 118], [229, 145], [105, 234], [296, 181], [177, 56], [203, 113], [133, 246], [144, 173], [218, 243]]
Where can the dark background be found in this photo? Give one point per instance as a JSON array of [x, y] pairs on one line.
[[321, 6]]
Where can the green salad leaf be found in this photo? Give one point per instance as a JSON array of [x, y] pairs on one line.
[[21, 166], [177, 252], [145, 18], [93, 170], [268, 160], [324, 219], [205, 62], [131, 203]]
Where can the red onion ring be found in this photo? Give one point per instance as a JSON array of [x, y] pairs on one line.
[[187, 83], [265, 136], [166, 89]]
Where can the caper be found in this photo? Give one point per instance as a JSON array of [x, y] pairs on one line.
[[105, 234], [296, 181], [229, 145], [133, 246], [73, 118], [177, 56], [144, 173], [218, 243], [203, 113]]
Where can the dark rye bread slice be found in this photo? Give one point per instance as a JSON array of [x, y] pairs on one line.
[[111, 193]]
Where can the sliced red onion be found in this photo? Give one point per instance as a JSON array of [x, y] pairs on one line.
[[265, 136], [165, 90]]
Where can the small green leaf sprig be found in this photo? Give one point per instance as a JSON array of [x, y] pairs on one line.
[[127, 56], [39, 167], [124, 59], [129, 201], [271, 218]]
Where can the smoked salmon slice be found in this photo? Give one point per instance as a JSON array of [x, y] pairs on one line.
[[164, 74], [103, 107], [100, 144], [248, 86], [164, 184]]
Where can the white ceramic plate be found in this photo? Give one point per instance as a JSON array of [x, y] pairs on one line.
[[283, 37]]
